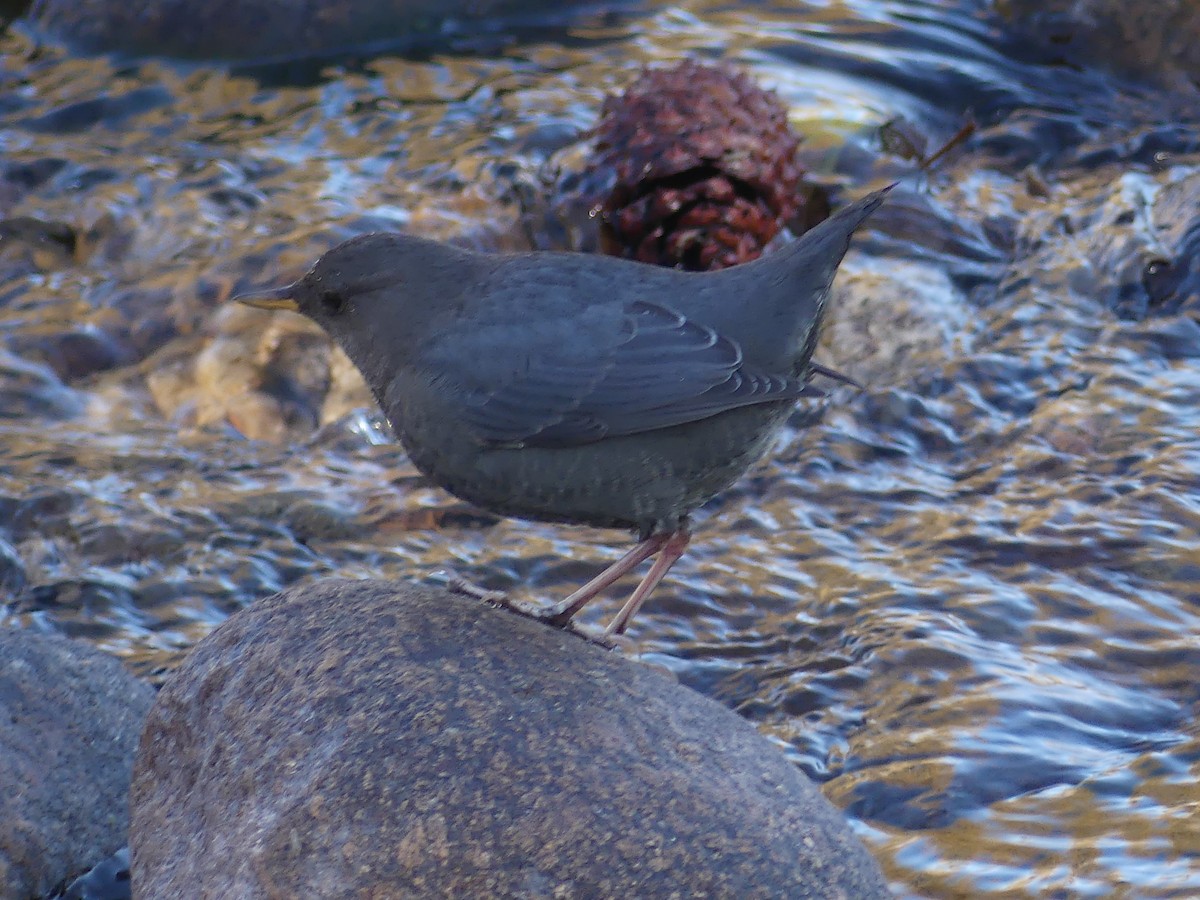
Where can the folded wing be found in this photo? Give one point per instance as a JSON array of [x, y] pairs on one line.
[[654, 369]]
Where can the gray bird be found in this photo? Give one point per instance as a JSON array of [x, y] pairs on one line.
[[578, 388]]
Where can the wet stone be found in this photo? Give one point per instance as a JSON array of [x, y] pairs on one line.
[[109, 880], [1158, 40], [313, 520], [273, 378], [1125, 243], [370, 739], [77, 353], [29, 244], [890, 319], [29, 389], [257, 29], [39, 513], [12, 569], [69, 721]]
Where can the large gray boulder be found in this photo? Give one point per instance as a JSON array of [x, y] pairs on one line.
[[70, 716], [370, 739]]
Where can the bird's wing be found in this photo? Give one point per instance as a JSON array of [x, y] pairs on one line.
[[655, 370]]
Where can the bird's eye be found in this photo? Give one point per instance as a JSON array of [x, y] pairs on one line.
[[333, 302]]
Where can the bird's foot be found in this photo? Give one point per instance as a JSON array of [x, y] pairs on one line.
[[565, 621], [557, 618], [459, 585]]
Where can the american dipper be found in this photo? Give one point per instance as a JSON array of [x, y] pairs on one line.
[[579, 388]]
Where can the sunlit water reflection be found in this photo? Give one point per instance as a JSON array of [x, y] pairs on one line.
[[964, 599]]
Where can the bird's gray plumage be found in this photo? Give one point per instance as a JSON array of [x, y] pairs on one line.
[[574, 387]]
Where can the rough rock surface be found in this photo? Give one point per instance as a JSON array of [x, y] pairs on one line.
[[69, 722], [368, 739]]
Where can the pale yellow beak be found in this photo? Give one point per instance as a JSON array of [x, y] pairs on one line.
[[276, 298]]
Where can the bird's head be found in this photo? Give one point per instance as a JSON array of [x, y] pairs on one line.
[[374, 291]]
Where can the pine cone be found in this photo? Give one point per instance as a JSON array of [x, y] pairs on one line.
[[705, 168]]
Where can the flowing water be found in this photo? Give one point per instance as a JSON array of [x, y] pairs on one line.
[[964, 599]]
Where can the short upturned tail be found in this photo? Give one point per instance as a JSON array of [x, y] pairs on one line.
[[812, 261], [835, 232]]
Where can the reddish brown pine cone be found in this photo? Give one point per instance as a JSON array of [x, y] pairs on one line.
[[704, 164]]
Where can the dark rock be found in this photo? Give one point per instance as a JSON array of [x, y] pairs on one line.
[[32, 390], [109, 880], [75, 353], [12, 568], [32, 174], [264, 29], [28, 244], [69, 721], [104, 110], [38, 512], [1154, 39], [1126, 243], [363, 739]]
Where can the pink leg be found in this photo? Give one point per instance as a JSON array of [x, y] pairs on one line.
[[561, 612], [672, 548]]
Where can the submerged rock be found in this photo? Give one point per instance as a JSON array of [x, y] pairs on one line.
[[1153, 39], [367, 739], [266, 29]]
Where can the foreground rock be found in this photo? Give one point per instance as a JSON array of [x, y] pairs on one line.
[[69, 722], [366, 739]]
